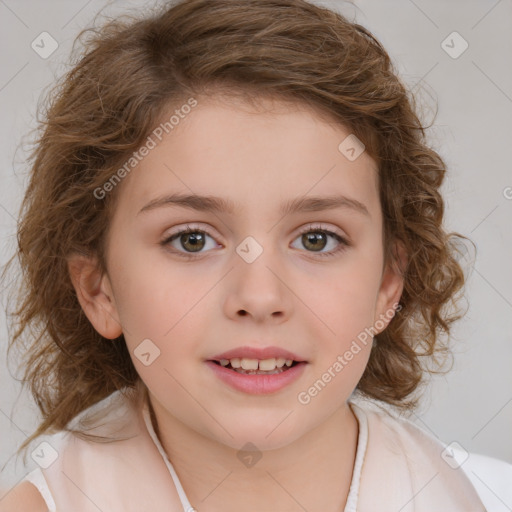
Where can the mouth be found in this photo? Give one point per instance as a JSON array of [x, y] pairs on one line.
[[245, 366], [256, 369], [257, 377]]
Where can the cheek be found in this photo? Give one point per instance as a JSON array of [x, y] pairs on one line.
[[168, 307], [345, 297], [343, 346], [153, 295], [343, 302]]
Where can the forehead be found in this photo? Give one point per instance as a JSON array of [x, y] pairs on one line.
[[251, 154]]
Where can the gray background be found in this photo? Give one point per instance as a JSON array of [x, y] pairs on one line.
[[473, 403]]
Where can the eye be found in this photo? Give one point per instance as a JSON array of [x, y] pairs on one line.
[[316, 238], [191, 241], [188, 241]]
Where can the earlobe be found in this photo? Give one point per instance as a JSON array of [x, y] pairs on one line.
[[94, 292], [392, 285]]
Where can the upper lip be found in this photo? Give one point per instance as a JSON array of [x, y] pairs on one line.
[[257, 353]]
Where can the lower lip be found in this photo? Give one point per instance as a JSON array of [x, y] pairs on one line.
[[257, 384]]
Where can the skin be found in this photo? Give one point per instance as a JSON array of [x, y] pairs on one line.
[[290, 296], [24, 496]]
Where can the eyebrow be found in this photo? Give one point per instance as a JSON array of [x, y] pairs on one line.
[[212, 204]]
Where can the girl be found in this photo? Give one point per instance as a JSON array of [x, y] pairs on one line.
[[233, 261]]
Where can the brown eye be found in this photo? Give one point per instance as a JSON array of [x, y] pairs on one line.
[[189, 241], [316, 241], [193, 242]]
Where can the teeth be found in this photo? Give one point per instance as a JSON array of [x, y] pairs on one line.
[[255, 364], [268, 364], [249, 364]]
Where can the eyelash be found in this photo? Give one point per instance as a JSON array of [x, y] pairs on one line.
[[343, 242]]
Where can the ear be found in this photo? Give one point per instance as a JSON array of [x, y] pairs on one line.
[[94, 292], [391, 287]]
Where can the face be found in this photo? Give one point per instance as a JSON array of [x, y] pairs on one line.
[[308, 280]]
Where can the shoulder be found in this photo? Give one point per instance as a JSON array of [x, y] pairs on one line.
[[23, 496], [404, 439], [99, 437], [399, 432], [422, 456], [109, 420]]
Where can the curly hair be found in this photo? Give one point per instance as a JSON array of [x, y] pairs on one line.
[[129, 71]]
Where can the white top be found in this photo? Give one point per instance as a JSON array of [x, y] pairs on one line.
[[36, 476], [394, 440]]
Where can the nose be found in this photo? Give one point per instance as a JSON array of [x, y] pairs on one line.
[[259, 291]]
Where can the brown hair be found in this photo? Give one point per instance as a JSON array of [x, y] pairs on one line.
[[113, 97]]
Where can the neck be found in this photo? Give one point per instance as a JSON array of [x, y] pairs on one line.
[[312, 473]]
